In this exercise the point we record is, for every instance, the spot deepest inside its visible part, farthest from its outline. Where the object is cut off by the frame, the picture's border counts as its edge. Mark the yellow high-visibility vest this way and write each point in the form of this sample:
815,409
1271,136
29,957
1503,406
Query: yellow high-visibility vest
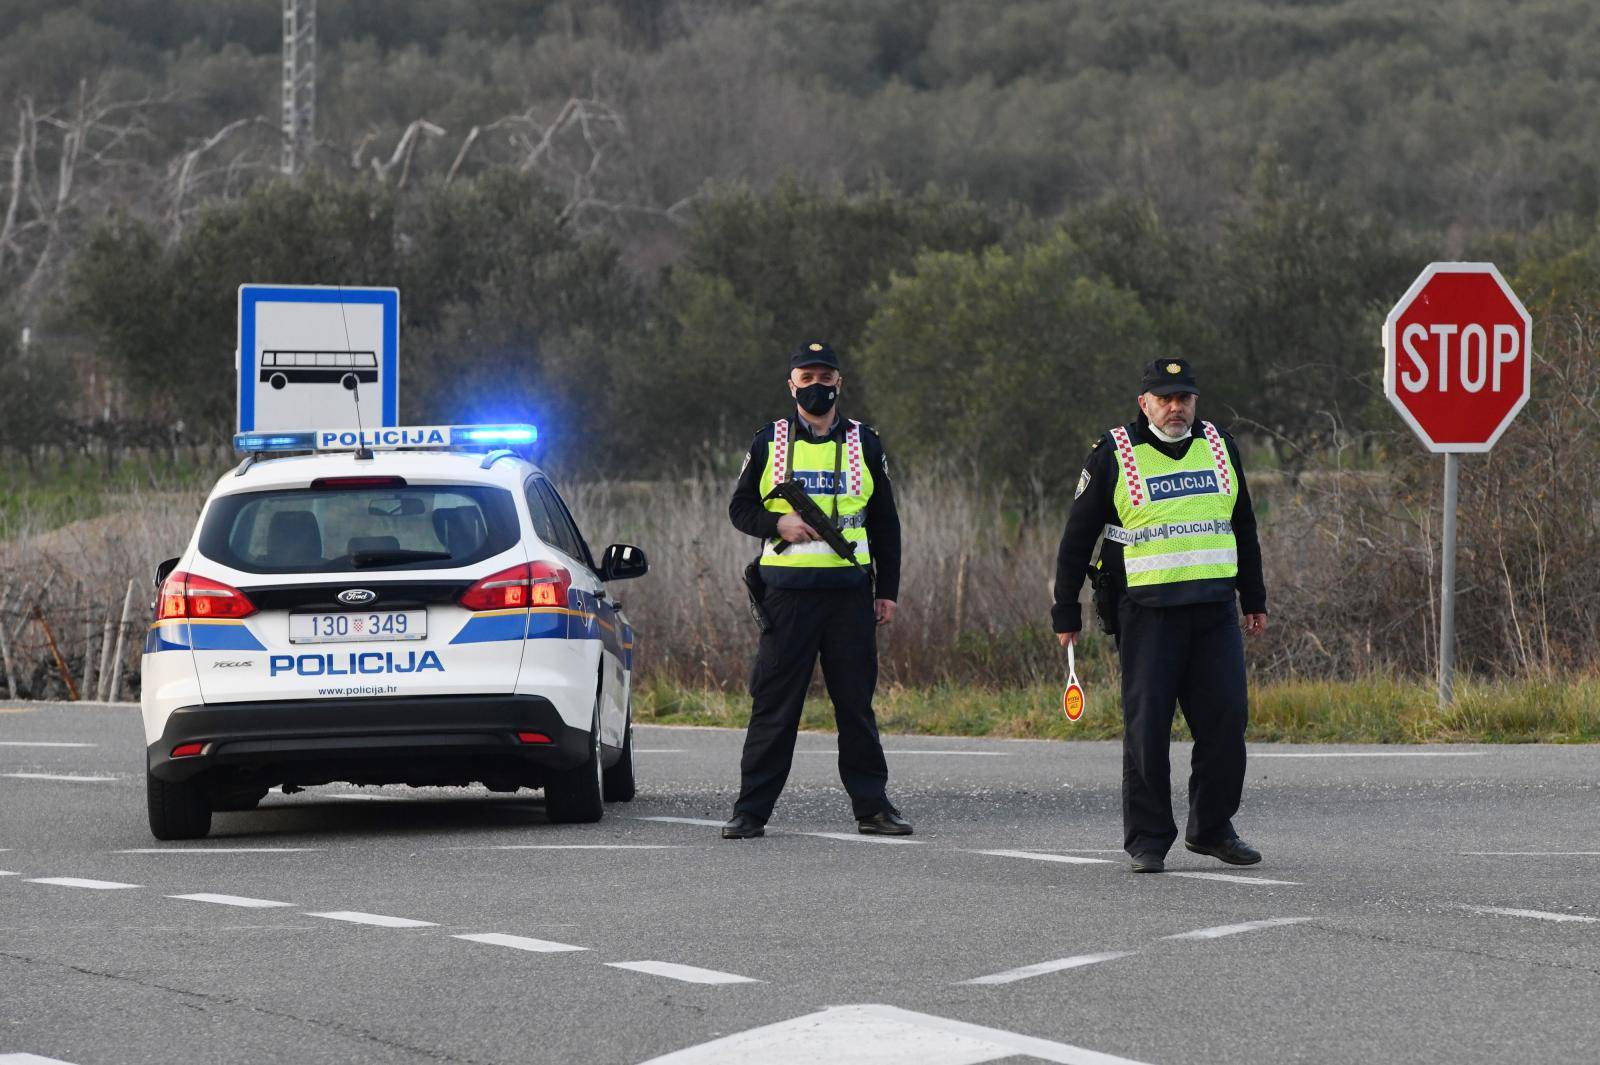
1176,515
794,455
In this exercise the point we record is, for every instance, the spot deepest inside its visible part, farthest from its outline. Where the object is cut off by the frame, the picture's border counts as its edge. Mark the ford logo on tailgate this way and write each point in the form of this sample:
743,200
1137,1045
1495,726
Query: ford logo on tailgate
356,596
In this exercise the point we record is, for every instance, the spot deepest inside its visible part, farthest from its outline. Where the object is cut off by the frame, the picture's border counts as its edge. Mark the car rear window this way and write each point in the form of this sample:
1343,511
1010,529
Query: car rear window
364,530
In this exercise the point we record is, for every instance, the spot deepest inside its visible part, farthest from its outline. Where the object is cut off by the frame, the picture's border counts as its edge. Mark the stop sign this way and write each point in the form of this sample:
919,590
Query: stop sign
1458,358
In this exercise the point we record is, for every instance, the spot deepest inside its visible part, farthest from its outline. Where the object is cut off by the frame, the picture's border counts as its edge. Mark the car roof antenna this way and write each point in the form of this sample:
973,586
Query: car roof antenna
353,385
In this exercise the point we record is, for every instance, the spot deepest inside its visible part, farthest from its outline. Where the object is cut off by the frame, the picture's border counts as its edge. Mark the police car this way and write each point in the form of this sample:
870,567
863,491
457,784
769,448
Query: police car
399,606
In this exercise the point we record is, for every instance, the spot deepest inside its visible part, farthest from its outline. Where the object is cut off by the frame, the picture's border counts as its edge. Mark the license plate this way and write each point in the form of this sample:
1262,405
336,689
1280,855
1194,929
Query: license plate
353,626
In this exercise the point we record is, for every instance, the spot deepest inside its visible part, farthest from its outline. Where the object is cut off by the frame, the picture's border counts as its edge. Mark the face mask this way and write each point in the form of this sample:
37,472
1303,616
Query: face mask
817,399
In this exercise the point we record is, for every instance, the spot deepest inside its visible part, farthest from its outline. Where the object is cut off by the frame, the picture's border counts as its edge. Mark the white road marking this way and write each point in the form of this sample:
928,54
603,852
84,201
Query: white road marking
879,1035
859,837
1368,754
574,847
74,881
681,820
217,850
382,921
1530,854
1234,929
30,1059
689,974
232,900
1541,915
42,743
1230,878
975,754
59,776
500,939
1067,859
6,872
1011,976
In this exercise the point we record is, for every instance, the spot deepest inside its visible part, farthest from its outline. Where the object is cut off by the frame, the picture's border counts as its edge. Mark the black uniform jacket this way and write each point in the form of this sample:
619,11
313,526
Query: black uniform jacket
1095,507
749,516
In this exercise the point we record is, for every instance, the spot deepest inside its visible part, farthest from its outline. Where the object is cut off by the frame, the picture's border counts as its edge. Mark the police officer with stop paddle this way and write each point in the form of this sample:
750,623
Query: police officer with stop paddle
816,600
1164,499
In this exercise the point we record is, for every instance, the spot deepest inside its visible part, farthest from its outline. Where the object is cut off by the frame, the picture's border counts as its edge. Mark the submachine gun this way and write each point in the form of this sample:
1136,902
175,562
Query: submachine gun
794,493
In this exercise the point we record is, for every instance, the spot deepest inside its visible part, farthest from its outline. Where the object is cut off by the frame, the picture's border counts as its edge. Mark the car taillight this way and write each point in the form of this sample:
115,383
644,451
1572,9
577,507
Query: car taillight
188,595
530,584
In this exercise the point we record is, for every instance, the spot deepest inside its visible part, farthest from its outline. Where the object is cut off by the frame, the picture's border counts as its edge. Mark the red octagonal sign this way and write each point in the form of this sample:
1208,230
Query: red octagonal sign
1458,358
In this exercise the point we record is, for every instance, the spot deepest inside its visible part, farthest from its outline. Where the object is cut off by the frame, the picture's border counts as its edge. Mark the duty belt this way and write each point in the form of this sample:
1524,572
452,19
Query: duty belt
1133,537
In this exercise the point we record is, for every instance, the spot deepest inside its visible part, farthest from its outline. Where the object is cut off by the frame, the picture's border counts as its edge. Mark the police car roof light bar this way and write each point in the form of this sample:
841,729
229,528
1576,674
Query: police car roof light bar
393,438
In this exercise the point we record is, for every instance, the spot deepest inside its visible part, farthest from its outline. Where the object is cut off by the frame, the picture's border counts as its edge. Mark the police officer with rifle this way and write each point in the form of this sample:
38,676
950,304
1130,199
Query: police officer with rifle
1163,515
815,491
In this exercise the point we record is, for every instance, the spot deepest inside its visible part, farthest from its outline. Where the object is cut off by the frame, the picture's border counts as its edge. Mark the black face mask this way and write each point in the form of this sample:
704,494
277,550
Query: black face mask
817,399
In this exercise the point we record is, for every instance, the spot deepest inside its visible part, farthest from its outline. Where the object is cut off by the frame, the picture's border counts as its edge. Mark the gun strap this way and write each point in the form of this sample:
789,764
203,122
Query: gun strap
838,459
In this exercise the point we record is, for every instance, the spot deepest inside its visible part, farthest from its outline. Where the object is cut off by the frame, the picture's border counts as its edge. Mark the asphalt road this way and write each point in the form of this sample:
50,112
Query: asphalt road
1431,904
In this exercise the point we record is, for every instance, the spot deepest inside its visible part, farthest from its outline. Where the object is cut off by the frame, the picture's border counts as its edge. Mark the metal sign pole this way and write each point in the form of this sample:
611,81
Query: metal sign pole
1447,592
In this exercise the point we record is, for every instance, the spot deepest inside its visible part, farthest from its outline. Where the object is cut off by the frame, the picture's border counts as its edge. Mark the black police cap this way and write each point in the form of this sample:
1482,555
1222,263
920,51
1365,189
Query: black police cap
1163,377
813,353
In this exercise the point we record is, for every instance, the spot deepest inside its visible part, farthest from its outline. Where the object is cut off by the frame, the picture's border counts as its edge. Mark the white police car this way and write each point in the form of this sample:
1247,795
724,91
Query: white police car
400,606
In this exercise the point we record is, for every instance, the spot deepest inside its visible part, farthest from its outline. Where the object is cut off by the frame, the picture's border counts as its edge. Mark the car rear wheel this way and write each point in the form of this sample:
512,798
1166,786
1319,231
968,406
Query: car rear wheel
178,809
619,778
575,797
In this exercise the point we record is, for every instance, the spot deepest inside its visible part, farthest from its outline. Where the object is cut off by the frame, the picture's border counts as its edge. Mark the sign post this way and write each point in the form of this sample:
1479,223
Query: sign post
1458,366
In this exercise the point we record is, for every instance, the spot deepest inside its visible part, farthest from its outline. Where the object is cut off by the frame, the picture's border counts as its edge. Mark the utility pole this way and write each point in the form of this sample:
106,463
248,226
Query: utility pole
299,82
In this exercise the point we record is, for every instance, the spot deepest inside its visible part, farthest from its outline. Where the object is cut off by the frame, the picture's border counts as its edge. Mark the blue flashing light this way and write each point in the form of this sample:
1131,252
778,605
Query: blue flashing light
275,441
496,434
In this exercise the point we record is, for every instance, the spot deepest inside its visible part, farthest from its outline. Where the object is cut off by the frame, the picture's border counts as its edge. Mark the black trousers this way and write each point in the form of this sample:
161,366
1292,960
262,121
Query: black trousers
838,625
1191,656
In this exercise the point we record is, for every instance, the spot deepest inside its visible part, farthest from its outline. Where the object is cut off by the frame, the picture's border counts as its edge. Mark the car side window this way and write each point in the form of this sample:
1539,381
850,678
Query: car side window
566,528
542,523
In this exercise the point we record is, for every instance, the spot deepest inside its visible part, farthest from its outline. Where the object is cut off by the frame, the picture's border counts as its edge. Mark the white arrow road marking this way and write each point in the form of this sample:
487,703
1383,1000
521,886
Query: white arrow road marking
1011,976
879,1035
1230,878
689,974
682,821
59,776
1068,859
1542,915
500,939
1234,929
73,881
231,900
382,921
41,743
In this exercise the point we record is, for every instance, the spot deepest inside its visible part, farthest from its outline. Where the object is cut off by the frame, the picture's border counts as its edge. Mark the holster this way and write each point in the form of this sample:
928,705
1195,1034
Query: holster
756,588
1108,592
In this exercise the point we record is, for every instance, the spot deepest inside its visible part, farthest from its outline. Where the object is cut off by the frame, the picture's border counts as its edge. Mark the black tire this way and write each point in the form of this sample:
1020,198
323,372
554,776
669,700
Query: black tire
178,809
575,797
618,779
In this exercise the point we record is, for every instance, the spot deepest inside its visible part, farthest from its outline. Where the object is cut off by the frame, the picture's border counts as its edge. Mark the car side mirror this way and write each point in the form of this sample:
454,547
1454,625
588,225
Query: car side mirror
623,562
163,569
